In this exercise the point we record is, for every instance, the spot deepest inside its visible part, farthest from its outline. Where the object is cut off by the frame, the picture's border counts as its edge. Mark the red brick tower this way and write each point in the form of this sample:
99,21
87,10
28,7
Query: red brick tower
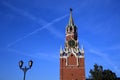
72,57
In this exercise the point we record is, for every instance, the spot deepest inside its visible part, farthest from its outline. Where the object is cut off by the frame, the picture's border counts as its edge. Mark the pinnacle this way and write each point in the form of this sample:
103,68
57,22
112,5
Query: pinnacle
71,22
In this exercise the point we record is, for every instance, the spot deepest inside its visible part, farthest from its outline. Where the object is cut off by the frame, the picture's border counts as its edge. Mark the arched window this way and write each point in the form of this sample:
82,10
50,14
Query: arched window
67,29
75,29
70,29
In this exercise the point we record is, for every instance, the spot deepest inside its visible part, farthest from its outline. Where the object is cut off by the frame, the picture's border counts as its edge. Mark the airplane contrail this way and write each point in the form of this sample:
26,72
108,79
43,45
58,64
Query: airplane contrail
39,29
45,24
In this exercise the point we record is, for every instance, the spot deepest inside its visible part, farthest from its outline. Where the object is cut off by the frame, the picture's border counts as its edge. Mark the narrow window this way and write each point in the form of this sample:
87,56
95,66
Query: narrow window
70,29
71,55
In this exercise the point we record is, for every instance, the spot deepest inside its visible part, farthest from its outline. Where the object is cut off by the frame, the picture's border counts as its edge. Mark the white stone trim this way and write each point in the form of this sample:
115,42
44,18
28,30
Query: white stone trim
69,55
66,61
77,61
69,34
81,57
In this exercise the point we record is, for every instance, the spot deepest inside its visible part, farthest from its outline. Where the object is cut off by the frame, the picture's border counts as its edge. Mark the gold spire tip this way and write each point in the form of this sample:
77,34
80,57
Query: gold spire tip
71,9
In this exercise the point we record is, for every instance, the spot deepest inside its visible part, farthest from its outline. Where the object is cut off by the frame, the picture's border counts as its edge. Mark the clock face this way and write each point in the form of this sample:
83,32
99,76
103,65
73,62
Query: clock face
71,43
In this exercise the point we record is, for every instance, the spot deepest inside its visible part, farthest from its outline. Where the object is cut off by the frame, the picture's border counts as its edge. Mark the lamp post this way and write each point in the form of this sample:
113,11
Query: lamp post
25,69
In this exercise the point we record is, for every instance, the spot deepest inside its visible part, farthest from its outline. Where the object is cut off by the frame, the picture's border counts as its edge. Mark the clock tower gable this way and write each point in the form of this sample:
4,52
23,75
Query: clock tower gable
72,60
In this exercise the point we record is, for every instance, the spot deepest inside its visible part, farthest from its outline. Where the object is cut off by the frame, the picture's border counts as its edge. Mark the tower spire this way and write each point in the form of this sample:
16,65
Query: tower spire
71,22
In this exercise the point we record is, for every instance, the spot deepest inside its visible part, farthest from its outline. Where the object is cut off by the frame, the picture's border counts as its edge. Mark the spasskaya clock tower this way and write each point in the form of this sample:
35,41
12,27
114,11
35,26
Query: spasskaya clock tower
71,56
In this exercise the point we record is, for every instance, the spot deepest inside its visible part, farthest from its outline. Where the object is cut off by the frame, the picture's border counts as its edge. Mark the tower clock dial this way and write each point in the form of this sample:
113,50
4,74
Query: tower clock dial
71,43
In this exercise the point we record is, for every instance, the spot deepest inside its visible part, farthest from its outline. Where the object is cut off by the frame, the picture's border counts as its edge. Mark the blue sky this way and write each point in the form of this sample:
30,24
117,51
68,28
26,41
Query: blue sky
35,29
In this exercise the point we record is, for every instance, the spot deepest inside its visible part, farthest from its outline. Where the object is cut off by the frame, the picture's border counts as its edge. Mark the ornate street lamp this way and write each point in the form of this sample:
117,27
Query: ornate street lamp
25,69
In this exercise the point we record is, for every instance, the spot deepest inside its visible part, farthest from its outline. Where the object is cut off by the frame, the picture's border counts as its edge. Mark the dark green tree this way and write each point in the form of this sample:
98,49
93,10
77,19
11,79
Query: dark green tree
109,75
99,74
96,73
